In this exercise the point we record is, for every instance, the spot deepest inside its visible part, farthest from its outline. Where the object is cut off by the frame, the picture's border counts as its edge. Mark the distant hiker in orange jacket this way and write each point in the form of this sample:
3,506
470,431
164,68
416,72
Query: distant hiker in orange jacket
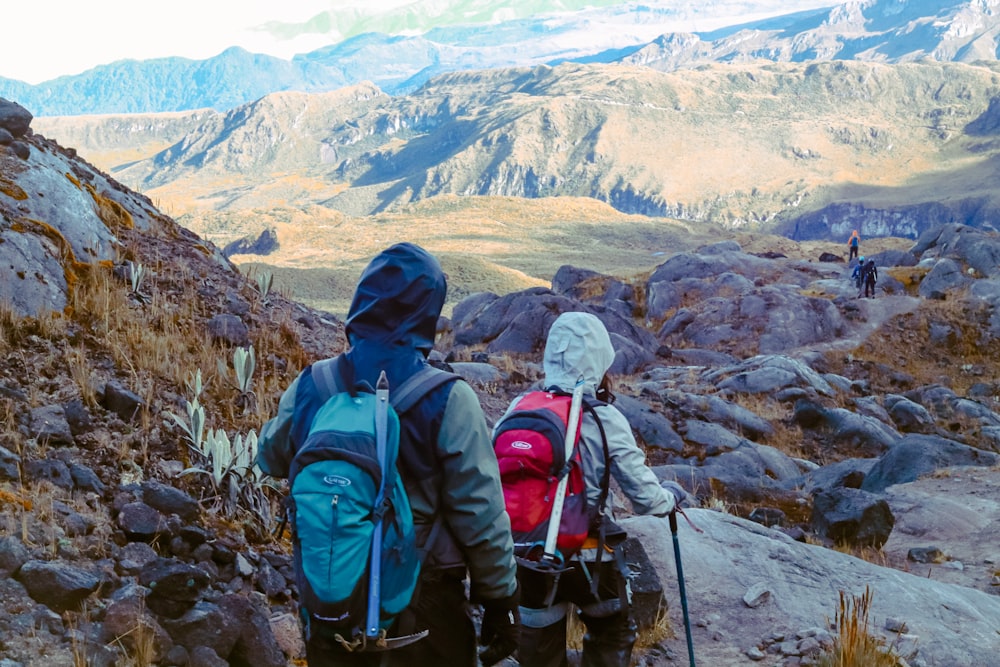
853,244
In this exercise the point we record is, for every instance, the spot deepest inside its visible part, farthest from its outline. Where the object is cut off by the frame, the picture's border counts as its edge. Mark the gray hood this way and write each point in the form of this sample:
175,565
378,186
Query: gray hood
578,345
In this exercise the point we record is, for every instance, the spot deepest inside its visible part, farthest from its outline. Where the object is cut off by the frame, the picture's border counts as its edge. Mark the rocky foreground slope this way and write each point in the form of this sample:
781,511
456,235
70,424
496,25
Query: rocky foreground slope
813,419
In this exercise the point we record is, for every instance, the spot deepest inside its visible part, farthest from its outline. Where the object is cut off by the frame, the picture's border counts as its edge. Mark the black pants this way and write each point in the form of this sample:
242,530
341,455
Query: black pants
440,607
611,633
853,253
869,287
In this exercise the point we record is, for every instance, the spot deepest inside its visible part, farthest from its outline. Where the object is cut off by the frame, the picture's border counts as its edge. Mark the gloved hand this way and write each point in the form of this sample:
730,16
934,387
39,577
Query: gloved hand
501,630
679,493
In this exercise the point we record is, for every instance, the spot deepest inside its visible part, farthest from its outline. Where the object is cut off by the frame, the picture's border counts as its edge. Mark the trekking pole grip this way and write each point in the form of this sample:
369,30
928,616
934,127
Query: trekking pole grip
672,517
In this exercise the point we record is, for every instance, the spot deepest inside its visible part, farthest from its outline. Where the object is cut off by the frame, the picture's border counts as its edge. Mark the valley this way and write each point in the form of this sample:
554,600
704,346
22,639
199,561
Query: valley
519,171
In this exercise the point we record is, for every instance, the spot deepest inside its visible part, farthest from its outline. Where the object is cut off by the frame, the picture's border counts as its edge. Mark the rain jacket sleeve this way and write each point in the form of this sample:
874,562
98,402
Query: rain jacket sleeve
628,464
274,455
472,500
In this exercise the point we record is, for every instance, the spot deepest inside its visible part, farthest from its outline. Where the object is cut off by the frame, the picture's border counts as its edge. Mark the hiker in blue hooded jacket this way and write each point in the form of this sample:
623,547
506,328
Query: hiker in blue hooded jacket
446,463
578,345
856,273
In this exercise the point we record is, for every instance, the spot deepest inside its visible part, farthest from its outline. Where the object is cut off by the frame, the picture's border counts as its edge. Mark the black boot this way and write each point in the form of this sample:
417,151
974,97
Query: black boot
542,646
609,641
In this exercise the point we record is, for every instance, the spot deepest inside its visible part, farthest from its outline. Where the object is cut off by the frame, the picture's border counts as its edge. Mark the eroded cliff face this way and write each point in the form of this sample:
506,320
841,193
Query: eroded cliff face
836,221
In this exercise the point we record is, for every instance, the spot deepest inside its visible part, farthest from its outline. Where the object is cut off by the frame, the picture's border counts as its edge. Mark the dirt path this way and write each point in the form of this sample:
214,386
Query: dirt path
862,323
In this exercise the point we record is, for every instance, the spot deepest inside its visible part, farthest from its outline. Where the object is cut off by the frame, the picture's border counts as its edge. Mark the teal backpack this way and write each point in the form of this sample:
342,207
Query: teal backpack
354,551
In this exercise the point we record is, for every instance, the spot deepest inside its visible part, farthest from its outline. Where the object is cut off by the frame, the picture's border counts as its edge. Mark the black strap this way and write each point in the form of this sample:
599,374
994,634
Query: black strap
419,385
622,578
602,499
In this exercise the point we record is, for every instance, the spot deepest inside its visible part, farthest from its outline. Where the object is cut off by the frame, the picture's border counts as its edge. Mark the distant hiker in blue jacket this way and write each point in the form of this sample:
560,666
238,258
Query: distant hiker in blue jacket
856,274
853,245
446,462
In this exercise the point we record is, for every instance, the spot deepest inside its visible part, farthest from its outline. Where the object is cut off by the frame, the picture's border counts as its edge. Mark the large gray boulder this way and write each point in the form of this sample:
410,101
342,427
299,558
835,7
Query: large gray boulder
849,473
75,222
917,455
519,323
57,585
849,433
948,625
595,288
14,118
718,410
651,427
955,512
976,248
945,275
770,319
908,416
767,374
852,517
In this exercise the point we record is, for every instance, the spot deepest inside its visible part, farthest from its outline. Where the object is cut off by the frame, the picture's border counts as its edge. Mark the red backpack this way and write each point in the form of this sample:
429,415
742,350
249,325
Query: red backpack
530,442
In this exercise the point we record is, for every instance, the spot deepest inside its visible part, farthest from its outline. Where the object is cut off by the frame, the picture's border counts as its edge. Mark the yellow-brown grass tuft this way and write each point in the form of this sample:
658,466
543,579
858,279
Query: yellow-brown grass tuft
12,190
854,645
111,213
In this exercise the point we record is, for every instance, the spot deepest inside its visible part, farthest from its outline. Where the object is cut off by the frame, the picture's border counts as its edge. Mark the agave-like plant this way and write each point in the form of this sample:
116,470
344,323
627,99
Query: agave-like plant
193,383
237,483
264,281
136,273
194,426
244,362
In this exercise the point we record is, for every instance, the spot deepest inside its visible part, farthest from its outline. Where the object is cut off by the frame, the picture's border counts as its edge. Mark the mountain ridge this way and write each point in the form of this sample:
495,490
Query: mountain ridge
758,146
650,34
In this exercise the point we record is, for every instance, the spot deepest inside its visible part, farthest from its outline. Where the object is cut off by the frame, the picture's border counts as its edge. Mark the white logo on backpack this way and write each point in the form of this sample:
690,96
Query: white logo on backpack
336,480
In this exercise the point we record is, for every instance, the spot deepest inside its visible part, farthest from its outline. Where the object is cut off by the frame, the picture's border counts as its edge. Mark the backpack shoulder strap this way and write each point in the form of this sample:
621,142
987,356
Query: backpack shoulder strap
324,374
589,405
419,385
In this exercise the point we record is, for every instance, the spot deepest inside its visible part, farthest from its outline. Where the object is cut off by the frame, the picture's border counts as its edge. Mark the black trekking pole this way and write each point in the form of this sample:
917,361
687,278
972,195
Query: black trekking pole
680,585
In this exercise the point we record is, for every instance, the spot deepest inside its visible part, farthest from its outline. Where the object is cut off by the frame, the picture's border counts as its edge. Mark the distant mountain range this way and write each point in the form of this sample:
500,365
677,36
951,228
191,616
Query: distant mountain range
650,34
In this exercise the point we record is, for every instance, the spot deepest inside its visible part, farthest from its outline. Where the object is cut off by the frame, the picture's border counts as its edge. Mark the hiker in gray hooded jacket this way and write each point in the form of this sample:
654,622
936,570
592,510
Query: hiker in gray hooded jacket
446,462
578,346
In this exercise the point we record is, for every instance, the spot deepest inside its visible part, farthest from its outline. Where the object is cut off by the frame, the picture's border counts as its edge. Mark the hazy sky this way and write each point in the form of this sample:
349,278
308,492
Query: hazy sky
44,39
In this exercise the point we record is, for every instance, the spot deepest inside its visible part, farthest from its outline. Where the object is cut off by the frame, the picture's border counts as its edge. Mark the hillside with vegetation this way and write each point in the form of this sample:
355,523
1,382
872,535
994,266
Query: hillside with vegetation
829,443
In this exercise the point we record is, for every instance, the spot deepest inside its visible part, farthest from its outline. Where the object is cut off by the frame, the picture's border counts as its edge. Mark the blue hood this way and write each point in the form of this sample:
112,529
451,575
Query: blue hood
396,308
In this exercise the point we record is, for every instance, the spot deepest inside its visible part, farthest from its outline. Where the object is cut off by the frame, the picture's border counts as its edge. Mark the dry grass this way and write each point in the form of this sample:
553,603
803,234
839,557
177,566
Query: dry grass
854,645
497,244
82,373
941,358
111,213
865,553
909,276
